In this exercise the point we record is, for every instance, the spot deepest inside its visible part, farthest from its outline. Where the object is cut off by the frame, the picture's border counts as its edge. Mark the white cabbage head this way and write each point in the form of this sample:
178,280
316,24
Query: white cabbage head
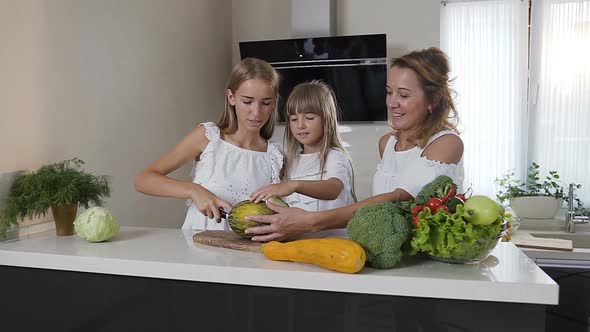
96,224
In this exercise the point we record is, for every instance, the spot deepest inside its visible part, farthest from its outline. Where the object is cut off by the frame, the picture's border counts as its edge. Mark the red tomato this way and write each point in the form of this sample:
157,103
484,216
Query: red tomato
434,203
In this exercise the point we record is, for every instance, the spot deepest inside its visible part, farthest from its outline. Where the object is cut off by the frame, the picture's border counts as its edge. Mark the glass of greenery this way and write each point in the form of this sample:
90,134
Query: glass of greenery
61,186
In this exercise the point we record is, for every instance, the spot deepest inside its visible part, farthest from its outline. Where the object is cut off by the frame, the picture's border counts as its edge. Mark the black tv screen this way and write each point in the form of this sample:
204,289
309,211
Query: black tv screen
354,66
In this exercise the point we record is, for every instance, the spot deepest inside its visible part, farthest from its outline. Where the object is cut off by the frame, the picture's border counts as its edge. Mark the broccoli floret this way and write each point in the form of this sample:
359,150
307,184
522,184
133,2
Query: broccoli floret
381,229
437,187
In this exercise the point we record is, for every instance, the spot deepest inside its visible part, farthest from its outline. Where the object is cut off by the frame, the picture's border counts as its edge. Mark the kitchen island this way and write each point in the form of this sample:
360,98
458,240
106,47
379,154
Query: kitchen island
158,279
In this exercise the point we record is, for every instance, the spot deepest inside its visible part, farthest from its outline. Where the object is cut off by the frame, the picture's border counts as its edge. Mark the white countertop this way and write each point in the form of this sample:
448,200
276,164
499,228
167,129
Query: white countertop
577,258
508,275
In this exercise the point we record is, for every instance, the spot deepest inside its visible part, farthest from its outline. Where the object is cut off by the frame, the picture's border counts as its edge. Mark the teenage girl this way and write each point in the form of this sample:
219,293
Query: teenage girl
319,174
231,158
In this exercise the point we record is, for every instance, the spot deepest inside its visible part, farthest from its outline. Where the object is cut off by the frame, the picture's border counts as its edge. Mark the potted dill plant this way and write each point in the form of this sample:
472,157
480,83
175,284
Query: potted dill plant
534,199
61,187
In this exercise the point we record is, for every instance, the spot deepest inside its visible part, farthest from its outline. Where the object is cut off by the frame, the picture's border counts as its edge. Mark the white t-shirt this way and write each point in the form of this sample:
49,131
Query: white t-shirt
231,173
307,167
410,171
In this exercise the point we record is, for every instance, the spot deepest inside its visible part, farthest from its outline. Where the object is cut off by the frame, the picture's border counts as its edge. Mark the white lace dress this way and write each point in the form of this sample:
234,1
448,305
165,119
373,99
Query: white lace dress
410,171
231,173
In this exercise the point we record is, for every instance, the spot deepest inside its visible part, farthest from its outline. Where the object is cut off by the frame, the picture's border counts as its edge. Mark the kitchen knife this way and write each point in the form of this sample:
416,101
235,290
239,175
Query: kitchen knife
223,213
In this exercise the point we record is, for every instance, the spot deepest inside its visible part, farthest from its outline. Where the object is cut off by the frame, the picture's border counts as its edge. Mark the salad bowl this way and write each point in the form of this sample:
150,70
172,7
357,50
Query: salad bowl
451,239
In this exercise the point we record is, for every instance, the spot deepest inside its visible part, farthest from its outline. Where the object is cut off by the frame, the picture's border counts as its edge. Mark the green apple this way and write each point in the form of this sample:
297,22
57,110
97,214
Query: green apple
481,210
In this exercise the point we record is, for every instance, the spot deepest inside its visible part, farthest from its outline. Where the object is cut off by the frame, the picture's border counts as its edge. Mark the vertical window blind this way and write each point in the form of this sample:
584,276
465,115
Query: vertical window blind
560,90
487,45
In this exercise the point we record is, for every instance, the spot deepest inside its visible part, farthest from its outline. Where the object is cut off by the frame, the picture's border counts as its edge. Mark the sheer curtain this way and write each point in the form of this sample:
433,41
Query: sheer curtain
487,45
560,90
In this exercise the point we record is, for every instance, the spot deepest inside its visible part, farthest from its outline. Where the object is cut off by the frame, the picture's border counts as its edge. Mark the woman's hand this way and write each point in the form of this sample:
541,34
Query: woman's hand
209,204
277,190
286,224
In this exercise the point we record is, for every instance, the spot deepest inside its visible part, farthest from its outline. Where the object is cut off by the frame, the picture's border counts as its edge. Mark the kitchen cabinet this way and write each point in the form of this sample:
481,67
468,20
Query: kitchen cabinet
570,269
573,312
152,279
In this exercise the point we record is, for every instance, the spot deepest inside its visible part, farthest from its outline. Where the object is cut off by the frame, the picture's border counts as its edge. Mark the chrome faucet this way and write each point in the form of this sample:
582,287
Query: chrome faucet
570,217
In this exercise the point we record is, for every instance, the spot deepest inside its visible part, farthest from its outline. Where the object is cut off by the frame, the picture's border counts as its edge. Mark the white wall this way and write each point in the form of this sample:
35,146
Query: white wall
115,83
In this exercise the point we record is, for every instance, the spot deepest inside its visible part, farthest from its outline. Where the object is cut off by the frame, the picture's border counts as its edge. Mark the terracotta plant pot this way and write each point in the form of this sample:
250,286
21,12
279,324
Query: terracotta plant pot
64,217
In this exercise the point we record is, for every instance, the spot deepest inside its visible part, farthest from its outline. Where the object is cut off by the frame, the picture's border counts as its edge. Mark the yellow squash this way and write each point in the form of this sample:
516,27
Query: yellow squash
336,254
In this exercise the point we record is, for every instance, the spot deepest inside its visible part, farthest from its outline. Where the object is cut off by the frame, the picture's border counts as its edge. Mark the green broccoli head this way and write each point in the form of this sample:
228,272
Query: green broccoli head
437,187
381,229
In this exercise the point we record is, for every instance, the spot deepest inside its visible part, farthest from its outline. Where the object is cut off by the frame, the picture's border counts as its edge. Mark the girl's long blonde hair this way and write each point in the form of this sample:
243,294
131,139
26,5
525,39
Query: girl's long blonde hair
247,69
314,97
432,68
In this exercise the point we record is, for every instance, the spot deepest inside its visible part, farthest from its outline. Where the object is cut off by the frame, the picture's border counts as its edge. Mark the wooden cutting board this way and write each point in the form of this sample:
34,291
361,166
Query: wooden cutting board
226,239
542,243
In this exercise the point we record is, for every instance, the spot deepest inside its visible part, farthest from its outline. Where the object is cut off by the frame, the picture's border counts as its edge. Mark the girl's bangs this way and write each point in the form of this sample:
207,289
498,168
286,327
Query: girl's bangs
303,103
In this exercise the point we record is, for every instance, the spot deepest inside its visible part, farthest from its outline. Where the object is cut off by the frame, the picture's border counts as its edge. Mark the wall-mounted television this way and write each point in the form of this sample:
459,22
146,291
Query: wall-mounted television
354,66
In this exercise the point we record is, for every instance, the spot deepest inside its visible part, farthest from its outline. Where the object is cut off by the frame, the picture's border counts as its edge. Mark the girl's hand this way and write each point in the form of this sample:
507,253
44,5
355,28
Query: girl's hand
277,190
209,204
286,224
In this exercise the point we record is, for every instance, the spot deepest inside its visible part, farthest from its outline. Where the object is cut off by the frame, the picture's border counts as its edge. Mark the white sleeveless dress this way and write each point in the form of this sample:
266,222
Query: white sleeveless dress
410,171
307,167
232,173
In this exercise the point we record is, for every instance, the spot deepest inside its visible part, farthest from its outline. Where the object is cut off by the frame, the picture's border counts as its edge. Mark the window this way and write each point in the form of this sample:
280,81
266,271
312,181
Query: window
517,103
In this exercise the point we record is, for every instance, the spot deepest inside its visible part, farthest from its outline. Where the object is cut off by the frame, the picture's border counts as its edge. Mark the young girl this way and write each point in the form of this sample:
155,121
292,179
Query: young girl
318,171
232,158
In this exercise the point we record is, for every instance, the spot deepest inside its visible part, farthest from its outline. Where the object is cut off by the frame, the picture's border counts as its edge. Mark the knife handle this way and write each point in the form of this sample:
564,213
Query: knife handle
223,213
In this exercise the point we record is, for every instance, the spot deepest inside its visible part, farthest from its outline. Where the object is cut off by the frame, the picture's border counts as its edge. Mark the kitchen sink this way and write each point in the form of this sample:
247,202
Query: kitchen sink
579,239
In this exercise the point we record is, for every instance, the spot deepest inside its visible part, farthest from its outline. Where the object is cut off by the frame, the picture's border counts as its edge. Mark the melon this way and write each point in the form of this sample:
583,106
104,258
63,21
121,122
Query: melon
237,217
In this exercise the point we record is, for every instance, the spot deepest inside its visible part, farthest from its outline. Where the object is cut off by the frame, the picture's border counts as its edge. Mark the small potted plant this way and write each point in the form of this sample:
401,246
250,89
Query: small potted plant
61,187
535,198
